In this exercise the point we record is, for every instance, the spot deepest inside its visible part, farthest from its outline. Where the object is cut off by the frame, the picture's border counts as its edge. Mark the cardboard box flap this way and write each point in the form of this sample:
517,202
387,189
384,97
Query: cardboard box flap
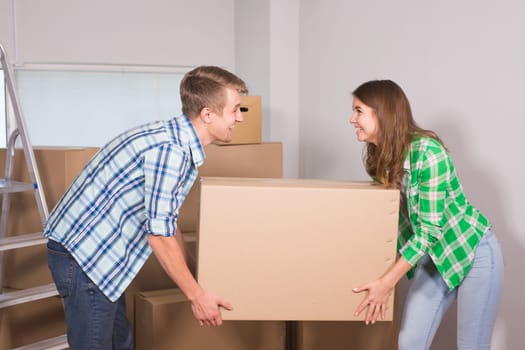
291,183
164,296
163,322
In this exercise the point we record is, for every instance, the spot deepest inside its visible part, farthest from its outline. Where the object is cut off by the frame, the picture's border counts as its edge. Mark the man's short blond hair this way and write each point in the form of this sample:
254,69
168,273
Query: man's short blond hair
203,87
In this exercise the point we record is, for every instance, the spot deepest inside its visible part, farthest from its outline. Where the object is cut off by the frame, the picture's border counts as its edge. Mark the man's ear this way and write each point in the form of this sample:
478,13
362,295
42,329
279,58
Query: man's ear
205,115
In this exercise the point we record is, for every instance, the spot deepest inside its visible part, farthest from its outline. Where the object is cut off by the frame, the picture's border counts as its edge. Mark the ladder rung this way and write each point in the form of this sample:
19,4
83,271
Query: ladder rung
27,295
11,186
20,241
56,343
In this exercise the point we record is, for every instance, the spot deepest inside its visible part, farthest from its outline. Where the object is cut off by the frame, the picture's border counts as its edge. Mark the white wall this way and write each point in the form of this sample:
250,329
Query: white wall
88,71
284,81
252,52
156,32
6,25
267,58
461,64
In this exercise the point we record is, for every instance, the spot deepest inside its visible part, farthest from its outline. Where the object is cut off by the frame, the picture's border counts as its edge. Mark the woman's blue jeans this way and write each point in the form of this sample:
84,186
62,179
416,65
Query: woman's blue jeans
93,321
478,297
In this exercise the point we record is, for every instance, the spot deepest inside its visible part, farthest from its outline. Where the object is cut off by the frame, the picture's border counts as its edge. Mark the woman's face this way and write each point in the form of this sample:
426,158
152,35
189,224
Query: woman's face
364,119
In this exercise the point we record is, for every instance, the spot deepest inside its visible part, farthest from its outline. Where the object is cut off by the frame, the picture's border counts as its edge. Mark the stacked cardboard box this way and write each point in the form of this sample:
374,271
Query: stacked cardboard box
27,267
165,321
263,160
31,322
314,335
58,167
250,130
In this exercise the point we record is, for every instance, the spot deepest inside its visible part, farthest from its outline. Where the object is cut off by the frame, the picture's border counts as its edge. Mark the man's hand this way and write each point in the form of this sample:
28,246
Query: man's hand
205,308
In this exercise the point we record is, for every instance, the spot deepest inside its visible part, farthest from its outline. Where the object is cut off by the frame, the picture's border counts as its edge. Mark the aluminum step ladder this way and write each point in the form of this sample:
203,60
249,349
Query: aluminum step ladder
17,131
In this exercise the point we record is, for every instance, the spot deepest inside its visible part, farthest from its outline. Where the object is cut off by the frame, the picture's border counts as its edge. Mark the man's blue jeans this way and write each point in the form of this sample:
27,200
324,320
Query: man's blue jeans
478,297
93,321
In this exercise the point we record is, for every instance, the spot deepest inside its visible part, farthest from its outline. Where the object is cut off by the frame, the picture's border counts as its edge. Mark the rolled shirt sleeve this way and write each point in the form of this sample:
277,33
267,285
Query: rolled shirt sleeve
429,198
164,173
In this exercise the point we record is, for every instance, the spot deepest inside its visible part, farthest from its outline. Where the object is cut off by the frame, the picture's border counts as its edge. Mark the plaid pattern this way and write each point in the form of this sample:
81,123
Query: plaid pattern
132,187
437,219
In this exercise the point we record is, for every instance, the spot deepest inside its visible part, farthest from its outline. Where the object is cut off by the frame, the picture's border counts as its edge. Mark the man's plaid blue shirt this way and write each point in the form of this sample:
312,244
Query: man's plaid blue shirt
134,186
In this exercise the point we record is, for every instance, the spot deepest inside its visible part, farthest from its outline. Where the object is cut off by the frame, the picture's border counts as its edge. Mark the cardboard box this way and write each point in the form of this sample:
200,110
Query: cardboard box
58,167
164,320
314,335
282,249
258,160
262,160
250,129
339,335
31,322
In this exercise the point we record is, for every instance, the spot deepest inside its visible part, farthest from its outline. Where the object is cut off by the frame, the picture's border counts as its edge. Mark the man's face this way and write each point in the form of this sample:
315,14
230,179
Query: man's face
221,126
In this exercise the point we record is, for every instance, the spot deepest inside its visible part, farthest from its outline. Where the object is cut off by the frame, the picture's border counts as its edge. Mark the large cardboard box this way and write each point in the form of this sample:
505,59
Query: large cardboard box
164,321
58,167
258,160
250,129
282,249
31,322
261,160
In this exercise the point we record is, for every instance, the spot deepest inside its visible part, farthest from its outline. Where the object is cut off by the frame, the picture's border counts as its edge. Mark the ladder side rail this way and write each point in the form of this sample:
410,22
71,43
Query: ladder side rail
10,152
28,149
14,131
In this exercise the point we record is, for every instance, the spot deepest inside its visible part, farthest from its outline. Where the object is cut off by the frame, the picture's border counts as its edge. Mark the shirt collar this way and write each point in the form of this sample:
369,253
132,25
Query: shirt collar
406,163
188,136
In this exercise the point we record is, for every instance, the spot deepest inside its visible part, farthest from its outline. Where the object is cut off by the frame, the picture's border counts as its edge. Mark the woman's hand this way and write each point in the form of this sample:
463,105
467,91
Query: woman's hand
378,295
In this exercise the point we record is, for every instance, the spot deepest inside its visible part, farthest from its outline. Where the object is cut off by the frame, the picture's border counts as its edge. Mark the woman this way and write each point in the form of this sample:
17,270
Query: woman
444,242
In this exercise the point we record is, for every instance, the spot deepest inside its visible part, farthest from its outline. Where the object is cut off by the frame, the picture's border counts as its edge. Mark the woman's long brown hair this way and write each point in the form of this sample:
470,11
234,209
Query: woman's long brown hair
397,128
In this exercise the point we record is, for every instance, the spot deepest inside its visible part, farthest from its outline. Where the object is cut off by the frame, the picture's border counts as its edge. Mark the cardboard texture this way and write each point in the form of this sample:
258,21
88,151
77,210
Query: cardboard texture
296,248
31,322
164,321
58,167
315,335
263,160
259,160
250,129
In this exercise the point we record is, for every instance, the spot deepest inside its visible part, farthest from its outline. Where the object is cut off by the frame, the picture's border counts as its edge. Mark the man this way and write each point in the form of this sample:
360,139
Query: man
125,204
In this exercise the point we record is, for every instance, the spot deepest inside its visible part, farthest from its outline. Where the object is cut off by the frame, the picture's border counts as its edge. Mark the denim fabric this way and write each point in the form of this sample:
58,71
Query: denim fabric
93,321
478,296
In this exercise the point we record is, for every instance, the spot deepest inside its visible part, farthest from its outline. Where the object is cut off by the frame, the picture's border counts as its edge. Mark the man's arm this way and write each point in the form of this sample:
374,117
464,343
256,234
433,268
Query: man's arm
188,256
170,255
